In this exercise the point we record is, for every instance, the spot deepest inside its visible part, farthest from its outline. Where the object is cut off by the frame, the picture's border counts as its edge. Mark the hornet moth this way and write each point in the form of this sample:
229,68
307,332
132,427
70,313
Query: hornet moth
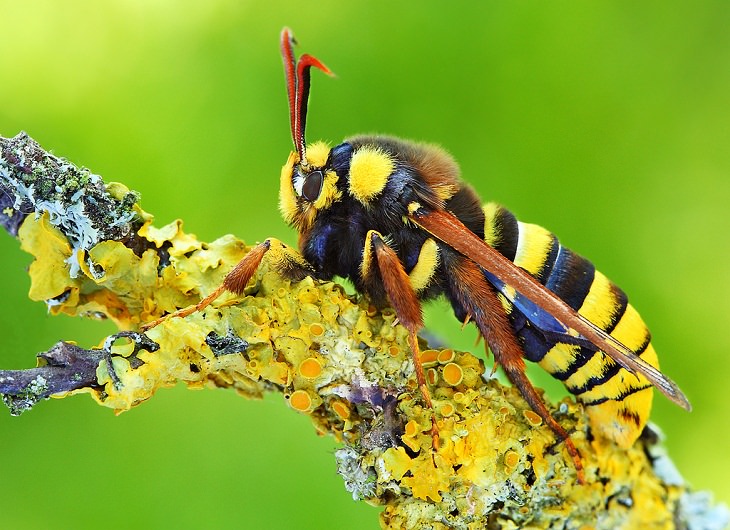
394,217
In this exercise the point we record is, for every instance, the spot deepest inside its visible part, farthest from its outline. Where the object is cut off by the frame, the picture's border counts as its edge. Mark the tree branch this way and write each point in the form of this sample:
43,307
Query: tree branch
334,357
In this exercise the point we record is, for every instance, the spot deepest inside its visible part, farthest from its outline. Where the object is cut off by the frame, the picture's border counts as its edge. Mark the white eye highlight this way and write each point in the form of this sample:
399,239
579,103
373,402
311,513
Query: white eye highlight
298,182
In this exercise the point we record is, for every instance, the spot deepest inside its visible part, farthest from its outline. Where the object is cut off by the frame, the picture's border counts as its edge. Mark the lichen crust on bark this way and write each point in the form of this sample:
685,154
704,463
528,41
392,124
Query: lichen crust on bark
347,366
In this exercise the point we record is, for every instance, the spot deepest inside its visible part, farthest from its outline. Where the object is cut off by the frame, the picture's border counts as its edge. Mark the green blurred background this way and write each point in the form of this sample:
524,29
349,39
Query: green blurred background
606,122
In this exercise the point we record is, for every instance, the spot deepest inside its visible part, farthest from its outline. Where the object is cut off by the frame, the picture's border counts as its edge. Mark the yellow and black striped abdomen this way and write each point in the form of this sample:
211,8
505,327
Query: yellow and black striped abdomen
618,402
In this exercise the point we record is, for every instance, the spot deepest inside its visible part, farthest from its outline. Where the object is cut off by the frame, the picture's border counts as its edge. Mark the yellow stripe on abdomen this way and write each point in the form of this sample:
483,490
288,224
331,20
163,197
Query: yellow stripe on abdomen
622,420
618,403
599,305
533,247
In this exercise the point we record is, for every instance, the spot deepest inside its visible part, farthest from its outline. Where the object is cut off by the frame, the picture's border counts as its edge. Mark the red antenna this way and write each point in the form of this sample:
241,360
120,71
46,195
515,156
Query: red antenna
297,88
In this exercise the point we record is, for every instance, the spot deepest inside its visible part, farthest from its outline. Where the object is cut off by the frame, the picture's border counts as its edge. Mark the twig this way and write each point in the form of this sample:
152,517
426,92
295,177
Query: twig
334,357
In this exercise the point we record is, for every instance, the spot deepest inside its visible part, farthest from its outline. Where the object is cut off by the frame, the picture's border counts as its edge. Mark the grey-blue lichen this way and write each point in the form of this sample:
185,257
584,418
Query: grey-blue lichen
358,481
32,394
76,200
698,511
336,359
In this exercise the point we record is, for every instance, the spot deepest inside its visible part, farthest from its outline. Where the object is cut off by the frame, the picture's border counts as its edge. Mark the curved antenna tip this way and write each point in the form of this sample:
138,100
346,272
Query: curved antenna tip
297,82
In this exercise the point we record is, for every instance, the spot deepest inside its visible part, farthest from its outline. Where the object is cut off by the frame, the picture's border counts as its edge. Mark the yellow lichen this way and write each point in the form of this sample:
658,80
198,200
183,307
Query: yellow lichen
300,400
411,435
412,428
511,459
532,417
446,356
182,243
427,480
342,409
396,462
453,374
313,342
310,368
48,272
429,357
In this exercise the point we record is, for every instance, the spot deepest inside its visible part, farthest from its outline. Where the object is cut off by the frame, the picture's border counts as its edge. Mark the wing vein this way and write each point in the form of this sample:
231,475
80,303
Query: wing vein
446,227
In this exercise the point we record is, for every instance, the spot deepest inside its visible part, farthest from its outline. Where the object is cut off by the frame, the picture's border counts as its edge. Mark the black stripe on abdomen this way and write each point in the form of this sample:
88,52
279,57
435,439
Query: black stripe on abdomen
571,278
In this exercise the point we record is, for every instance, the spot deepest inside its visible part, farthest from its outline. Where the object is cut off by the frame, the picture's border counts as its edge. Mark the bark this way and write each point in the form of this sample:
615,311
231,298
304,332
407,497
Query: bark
333,356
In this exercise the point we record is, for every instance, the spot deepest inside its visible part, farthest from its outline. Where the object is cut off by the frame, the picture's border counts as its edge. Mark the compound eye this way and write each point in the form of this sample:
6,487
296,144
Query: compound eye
312,185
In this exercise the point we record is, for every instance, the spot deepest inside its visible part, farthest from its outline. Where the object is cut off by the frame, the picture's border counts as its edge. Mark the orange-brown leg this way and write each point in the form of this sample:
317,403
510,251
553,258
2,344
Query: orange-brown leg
471,290
449,229
235,282
407,308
